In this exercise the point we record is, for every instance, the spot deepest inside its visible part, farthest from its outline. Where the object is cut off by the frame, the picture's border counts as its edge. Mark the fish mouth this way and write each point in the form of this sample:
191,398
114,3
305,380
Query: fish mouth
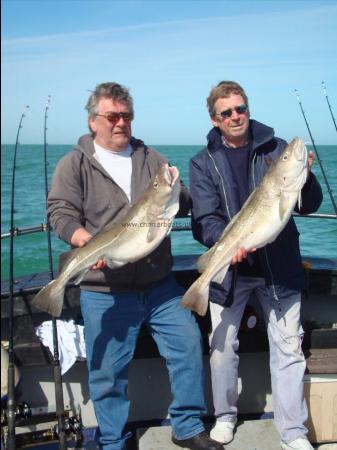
300,152
171,174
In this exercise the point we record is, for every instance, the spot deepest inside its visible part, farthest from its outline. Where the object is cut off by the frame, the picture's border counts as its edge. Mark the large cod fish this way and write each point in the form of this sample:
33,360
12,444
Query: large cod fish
141,230
262,217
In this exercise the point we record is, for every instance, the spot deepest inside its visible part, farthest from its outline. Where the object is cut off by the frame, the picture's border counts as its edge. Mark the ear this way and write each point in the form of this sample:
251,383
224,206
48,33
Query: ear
214,121
92,124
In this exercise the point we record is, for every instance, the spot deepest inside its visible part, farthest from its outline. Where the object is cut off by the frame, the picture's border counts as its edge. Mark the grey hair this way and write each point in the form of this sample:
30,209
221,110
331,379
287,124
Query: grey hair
114,91
223,90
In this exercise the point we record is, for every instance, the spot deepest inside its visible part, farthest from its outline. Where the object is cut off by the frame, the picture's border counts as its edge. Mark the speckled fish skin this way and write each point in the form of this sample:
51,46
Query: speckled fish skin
261,219
140,232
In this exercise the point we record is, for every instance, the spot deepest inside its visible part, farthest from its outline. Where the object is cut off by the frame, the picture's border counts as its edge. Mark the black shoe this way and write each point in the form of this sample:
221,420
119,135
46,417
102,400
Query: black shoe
200,441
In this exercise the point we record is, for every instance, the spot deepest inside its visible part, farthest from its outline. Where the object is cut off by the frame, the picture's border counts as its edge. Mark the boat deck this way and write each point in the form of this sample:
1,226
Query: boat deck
258,434
250,435
149,388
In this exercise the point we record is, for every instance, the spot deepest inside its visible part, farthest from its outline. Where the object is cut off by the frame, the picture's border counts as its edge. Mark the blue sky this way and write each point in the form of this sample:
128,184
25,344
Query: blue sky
169,53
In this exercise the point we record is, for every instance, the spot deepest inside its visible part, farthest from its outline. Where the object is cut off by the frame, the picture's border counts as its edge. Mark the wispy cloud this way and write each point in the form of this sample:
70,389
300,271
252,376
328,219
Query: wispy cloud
296,17
175,61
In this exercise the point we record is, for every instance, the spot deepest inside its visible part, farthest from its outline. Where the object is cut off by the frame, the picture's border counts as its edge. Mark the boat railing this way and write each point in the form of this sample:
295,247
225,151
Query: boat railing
177,226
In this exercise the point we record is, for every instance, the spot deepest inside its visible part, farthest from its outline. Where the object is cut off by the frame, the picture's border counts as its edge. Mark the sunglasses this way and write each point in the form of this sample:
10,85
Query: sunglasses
241,109
113,117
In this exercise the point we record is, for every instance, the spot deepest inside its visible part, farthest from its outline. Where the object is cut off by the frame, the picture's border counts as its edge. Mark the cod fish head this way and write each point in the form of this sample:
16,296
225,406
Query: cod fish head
165,186
291,169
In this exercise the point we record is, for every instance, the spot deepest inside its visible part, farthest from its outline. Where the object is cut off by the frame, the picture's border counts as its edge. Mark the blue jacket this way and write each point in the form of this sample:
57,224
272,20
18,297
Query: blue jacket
216,200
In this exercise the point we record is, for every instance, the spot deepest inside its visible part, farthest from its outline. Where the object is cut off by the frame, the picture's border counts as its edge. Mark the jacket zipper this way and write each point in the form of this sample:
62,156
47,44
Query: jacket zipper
222,184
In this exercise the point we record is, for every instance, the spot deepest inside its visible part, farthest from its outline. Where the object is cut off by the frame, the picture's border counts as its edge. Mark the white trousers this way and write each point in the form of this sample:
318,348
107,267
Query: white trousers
287,362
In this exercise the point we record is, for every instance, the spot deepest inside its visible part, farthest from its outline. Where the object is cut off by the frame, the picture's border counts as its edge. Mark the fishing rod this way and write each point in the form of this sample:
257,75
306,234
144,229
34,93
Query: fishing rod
56,357
327,99
11,440
318,158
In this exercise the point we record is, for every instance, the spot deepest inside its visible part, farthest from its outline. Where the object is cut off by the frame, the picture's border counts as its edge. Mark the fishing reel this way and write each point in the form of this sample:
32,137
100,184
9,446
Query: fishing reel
72,425
22,412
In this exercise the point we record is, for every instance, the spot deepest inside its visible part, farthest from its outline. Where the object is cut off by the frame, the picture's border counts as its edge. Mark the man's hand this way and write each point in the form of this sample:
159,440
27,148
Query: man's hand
241,254
101,264
79,239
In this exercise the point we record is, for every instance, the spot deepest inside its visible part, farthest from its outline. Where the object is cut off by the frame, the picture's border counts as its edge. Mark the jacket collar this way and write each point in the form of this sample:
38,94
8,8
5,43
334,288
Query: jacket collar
86,145
259,135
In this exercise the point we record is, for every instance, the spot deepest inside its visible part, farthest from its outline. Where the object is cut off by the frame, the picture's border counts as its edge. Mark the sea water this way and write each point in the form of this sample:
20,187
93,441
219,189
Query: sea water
318,237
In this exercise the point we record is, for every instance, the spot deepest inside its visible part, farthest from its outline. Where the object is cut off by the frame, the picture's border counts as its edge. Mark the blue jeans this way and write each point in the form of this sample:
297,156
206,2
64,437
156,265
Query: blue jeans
287,362
112,323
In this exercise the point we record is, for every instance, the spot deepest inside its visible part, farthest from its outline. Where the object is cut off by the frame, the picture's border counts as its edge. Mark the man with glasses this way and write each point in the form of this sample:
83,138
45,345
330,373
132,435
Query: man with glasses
222,176
93,187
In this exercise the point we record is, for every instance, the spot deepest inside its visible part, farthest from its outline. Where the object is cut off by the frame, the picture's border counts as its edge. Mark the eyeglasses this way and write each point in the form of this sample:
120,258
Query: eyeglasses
241,109
113,117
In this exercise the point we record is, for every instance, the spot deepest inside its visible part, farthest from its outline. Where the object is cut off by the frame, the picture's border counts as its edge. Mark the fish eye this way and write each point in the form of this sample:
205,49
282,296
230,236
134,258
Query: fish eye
285,157
155,184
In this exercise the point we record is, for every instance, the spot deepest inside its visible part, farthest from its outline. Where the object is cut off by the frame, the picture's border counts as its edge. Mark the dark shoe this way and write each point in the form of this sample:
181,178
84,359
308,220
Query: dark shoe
200,441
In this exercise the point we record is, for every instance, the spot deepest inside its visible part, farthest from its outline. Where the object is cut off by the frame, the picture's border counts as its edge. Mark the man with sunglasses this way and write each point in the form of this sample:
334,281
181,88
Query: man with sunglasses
222,176
93,187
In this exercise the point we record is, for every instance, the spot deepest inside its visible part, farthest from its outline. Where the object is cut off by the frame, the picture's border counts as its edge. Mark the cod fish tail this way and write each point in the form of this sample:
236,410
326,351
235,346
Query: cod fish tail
196,298
50,298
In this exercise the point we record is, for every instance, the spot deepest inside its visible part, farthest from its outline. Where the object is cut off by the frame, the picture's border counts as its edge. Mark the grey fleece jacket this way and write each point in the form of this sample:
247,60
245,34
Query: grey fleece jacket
84,195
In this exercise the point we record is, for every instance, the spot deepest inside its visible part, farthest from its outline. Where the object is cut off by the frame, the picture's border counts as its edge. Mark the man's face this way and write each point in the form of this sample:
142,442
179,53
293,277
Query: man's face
235,127
113,135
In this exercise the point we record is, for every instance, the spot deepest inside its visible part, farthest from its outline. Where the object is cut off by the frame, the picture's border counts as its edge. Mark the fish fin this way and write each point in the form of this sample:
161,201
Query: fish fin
220,276
80,276
284,204
113,263
159,229
152,233
204,259
109,262
50,299
196,298
299,200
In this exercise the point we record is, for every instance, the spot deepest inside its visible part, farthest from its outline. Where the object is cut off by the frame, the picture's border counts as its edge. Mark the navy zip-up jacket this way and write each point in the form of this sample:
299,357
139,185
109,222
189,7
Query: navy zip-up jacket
216,200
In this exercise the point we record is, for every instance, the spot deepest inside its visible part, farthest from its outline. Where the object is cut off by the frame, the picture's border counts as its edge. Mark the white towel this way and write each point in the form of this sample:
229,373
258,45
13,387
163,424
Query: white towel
70,341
